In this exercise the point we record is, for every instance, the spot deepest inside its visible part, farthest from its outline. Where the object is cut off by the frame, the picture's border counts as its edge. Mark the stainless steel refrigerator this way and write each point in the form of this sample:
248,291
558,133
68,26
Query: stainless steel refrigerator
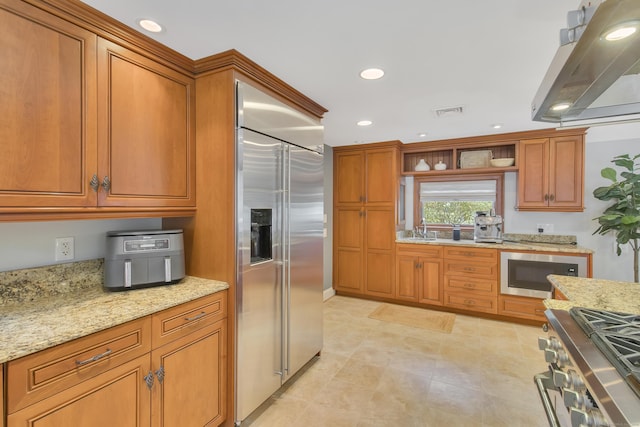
279,239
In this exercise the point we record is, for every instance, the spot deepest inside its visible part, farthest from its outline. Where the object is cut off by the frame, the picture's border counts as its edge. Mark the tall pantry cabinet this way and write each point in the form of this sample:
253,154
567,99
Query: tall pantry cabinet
365,198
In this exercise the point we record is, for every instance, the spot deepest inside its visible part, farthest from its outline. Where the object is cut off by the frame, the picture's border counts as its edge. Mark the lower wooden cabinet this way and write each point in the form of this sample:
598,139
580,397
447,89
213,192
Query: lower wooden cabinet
471,279
419,274
191,379
521,307
2,395
166,369
117,397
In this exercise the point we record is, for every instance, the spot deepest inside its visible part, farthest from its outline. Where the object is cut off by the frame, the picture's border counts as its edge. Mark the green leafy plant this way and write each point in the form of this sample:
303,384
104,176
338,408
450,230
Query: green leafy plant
623,216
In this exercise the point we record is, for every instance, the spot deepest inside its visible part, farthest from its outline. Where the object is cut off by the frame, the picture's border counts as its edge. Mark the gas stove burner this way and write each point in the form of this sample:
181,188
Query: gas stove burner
592,320
617,336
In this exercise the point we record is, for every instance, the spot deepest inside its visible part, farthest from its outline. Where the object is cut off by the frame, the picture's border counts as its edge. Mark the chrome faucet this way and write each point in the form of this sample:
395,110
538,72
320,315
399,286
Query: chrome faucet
421,230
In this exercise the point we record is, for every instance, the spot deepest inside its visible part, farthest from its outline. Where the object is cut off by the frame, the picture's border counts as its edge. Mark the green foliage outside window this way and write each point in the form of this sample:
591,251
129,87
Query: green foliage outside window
453,212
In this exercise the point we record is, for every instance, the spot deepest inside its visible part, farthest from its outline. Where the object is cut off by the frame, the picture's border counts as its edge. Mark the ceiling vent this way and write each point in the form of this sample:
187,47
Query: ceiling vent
449,111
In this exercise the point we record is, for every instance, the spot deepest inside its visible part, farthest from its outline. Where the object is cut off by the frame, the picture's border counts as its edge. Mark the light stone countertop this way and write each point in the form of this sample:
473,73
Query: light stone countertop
31,326
599,294
517,246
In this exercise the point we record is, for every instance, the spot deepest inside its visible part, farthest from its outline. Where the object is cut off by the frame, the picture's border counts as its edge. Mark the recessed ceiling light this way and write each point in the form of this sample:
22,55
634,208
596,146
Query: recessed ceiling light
560,106
422,134
150,25
364,123
621,31
371,73
497,125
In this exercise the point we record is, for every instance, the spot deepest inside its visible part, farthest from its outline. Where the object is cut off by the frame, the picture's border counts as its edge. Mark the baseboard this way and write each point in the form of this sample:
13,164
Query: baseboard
328,293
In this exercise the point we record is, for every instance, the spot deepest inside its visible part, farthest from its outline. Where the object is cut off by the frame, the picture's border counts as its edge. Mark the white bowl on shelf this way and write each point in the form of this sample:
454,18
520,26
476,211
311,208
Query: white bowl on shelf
503,163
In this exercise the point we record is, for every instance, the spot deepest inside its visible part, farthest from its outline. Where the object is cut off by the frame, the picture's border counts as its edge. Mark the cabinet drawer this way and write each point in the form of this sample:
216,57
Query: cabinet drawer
471,302
48,372
471,284
465,268
427,251
181,320
522,307
472,254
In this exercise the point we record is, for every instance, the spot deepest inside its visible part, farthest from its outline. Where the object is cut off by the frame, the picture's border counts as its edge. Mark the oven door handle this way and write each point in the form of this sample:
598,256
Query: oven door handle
544,382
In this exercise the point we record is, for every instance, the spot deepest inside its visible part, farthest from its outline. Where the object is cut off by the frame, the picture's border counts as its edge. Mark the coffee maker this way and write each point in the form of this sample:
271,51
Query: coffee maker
488,227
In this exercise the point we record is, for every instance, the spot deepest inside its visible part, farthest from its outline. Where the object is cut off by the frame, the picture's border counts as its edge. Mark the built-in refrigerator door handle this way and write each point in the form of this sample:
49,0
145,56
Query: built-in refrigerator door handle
288,257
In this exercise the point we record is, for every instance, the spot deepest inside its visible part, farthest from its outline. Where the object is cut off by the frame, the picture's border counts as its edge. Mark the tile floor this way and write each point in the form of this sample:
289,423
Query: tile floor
373,373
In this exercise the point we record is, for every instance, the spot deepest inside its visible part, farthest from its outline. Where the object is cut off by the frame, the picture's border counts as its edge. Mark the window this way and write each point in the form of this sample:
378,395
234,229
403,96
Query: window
443,201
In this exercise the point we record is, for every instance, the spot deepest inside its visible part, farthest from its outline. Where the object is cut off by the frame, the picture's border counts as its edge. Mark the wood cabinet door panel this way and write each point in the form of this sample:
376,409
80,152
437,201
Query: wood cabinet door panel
463,268
430,291
458,283
522,307
381,176
146,131
380,230
182,320
349,178
471,254
192,392
118,397
48,372
348,228
47,109
406,278
566,161
533,175
2,395
348,273
471,302
379,278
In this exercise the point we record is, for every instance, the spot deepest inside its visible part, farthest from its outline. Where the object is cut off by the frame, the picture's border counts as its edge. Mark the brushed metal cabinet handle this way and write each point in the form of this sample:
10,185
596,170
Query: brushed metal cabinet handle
94,358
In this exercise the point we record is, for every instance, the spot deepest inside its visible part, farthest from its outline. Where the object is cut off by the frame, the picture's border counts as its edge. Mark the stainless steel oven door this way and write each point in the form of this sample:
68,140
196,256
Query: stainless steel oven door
525,274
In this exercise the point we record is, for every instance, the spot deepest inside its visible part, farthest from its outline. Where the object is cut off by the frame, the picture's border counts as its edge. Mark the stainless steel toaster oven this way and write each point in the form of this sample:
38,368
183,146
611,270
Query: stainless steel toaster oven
137,259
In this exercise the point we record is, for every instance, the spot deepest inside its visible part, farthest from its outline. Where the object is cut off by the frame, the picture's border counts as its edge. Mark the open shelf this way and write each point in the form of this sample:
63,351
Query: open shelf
451,157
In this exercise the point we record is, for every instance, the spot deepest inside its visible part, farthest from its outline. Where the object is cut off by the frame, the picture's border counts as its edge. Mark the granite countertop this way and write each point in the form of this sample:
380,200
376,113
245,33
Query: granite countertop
517,246
599,294
50,319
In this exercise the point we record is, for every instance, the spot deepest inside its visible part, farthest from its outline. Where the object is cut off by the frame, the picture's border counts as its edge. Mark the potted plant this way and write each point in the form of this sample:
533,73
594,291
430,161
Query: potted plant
622,217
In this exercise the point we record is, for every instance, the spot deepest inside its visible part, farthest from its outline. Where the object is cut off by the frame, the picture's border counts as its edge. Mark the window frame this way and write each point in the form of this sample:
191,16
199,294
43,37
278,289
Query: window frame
417,214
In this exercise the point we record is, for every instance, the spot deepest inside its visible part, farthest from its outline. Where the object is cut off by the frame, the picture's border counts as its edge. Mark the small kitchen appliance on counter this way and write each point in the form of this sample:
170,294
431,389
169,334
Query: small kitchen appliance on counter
488,227
139,259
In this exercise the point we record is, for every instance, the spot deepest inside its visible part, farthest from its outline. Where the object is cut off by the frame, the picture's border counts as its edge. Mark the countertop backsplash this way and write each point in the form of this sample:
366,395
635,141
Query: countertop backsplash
19,286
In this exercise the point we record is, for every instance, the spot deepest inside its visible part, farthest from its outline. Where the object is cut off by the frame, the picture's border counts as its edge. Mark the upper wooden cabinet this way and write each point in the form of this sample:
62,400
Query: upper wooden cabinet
88,126
551,174
146,131
47,109
366,176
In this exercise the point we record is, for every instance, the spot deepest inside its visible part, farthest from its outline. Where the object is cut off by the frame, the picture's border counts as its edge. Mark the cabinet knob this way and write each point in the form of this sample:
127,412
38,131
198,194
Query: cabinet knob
552,197
160,374
546,197
149,380
106,184
94,183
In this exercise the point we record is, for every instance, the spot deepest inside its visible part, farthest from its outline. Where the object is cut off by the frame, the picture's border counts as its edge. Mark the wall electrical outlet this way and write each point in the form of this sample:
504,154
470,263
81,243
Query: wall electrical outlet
544,228
64,248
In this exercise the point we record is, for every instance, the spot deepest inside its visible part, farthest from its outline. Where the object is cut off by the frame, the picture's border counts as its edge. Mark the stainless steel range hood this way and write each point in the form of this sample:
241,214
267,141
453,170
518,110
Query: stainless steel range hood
590,76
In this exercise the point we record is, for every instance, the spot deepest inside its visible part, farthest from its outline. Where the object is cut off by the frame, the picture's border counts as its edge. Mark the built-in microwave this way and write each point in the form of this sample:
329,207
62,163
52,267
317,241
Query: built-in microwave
525,274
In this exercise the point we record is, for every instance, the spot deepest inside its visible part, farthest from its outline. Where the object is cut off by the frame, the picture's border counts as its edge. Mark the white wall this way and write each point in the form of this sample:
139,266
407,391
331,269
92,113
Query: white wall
32,244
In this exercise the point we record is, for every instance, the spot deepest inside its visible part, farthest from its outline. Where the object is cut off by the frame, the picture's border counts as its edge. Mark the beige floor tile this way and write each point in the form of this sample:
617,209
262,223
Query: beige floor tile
379,374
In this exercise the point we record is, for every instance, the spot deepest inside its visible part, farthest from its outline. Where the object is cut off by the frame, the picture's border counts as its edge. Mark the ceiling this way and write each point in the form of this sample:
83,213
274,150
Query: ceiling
487,56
